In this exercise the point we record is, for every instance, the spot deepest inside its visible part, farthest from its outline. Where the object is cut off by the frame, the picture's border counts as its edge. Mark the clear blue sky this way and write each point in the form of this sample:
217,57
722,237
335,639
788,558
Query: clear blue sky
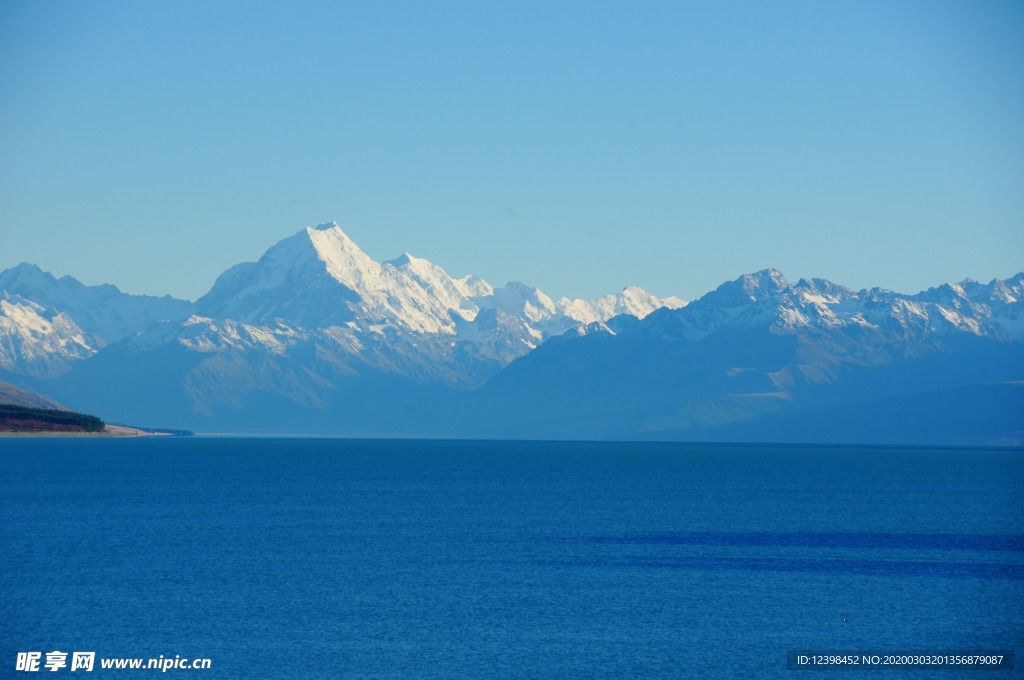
579,147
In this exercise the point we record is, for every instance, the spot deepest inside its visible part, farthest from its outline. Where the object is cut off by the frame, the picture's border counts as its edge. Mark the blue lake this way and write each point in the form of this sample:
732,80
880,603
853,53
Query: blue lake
413,559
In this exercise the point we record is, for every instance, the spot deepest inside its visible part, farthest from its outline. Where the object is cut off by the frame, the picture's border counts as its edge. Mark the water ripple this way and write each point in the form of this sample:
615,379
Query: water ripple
863,567
888,541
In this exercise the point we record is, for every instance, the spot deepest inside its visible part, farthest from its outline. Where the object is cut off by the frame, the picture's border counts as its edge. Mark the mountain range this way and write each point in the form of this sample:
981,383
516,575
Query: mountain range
317,337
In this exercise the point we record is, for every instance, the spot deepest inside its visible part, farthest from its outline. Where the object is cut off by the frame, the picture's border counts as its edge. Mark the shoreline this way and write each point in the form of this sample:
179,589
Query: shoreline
108,431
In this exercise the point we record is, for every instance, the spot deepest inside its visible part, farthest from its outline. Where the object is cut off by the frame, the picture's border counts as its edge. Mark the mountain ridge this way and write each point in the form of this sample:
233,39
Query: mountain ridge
316,335
758,346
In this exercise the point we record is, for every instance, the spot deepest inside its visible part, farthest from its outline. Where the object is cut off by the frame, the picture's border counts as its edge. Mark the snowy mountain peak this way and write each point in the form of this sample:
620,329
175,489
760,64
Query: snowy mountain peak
633,300
319,277
472,286
518,299
39,341
761,286
766,280
101,314
26,279
821,291
1008,291
437,285
316,280
763,299
345,261
409,260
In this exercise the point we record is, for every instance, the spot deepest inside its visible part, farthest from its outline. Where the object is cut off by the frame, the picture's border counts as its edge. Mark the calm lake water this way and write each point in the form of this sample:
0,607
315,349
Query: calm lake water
306,558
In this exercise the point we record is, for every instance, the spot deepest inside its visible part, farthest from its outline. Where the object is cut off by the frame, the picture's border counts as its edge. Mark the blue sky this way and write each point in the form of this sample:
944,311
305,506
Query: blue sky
579,147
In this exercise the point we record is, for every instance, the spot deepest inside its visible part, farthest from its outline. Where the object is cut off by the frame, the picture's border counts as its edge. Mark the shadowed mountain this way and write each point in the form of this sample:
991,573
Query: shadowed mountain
317,337
15,396
759,359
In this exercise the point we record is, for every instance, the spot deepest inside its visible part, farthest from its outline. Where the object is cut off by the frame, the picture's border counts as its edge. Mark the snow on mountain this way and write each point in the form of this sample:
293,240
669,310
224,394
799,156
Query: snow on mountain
37,341
632,300
876,325
758,350
315,279
767,299
499,335
317,331
453,294
992,308
102,311
551,318
761,286
225,375
48,324
320,277
206,336
473,286
519,299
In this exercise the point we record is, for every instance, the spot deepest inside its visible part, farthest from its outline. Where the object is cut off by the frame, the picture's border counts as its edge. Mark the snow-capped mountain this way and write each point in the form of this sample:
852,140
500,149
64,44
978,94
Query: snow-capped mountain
547,318
314,323
315,279
38,341
103,311
49,324
758,350
767,299
317,336
632,301
319,277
